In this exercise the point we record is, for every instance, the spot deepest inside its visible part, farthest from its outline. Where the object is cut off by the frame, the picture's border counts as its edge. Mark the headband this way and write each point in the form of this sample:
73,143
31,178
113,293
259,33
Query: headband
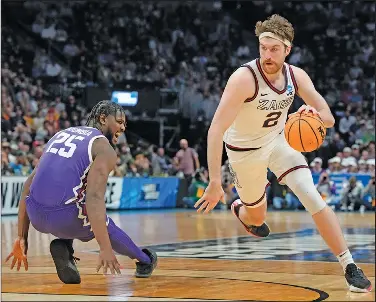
274,36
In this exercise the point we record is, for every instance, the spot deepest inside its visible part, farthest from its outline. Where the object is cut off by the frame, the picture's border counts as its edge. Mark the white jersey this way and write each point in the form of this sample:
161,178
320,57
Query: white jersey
262,116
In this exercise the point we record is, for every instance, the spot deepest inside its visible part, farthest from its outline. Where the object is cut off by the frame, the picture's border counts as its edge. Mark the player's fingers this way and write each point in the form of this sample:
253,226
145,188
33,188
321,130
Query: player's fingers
117,267
111,266
18,264
99,265
105,266
9,256
26,264
302,108
23,247
13,262
209,208
200,200
202,206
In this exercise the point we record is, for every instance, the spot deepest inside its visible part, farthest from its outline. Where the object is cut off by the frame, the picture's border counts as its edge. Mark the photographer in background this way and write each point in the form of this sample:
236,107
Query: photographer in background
228,186
326,188
197,187
352,195
368,196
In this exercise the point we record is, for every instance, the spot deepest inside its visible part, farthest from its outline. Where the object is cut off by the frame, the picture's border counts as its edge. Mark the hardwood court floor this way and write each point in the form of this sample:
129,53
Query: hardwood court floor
202,257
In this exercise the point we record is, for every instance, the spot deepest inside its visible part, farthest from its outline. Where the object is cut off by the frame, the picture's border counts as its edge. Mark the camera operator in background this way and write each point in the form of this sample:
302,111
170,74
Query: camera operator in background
352,195
228,186
197,187
326,188
369,196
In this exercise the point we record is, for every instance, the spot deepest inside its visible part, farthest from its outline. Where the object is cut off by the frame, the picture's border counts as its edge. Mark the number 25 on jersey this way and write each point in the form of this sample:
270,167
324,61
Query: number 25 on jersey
66,140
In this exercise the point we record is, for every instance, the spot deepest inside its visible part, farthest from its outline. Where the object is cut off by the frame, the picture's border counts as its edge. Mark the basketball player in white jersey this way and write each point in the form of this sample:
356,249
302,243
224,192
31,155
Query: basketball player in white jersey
251,118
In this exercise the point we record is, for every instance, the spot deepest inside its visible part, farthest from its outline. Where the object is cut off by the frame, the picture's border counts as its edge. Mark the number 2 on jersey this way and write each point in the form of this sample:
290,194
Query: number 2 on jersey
272,119
67,140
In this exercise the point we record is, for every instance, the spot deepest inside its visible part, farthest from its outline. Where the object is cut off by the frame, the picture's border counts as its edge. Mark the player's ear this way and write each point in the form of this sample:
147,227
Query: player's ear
288,50
103,119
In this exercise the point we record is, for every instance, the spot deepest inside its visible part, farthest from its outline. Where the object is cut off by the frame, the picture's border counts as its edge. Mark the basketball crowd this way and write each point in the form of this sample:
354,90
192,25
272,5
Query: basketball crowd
192,48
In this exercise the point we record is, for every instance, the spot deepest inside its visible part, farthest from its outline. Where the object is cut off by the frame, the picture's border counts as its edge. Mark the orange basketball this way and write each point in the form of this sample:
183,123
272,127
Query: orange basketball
305,132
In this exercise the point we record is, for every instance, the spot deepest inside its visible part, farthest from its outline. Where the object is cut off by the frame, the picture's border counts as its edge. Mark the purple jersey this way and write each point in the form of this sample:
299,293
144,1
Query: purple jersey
61,175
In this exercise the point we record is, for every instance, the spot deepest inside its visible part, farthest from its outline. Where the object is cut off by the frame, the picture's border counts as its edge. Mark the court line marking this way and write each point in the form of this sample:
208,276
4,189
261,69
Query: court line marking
322,294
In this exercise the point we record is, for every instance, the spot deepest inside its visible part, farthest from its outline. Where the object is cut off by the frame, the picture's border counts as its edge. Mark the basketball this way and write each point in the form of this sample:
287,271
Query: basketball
305,132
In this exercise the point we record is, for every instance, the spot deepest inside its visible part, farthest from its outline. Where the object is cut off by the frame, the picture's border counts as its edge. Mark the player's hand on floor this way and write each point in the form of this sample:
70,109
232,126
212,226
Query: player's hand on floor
212,195
107,260
19,253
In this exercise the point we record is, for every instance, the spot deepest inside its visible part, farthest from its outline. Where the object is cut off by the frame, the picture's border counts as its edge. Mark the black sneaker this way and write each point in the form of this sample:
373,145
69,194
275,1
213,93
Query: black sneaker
144,270
65,263
256,231
356,280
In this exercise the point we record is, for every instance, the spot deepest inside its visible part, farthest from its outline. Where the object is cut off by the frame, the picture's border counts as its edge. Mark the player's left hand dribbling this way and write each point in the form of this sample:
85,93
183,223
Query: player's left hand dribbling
213,194
305,109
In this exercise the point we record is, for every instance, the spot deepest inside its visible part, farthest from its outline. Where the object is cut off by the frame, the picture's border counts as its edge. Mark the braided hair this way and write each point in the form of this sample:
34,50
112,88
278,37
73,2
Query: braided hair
104,107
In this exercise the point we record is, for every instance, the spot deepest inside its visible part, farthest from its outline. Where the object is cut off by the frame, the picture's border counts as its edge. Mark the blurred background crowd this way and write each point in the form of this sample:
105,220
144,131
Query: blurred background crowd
52,50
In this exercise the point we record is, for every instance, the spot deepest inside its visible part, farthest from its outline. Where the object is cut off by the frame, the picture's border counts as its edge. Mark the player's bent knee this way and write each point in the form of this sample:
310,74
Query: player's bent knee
301,183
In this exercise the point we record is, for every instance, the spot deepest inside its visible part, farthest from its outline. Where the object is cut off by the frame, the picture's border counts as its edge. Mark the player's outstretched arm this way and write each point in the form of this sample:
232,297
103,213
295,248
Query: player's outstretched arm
23,218
104,162
20,246
309,94
240,86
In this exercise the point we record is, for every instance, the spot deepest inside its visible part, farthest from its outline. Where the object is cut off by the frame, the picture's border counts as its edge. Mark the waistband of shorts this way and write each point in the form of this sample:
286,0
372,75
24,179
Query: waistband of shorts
237,149
32,201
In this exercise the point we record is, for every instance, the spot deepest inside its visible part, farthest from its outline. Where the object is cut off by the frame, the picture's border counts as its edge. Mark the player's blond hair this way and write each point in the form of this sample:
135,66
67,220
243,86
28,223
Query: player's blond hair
278,26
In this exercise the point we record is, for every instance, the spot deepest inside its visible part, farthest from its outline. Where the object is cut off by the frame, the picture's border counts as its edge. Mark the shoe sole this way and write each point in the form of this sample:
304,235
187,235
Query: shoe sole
244,226
359,290
154,266
66,273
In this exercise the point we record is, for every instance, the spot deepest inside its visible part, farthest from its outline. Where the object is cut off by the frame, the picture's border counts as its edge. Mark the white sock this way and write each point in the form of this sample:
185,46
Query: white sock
345,258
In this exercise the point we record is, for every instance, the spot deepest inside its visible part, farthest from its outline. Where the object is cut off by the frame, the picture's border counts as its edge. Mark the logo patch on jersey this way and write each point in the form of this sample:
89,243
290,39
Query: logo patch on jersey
265,104
234,177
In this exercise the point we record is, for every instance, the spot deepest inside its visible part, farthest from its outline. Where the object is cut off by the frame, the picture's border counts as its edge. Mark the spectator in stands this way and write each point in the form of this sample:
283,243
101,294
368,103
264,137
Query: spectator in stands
355,151
371,166
326,188
277,192
164,162
292,201
154,162
120,168
344,125
368,195
351,194
227,184
316,165
362,167
142,164
334,165
188,160
196,188
371,149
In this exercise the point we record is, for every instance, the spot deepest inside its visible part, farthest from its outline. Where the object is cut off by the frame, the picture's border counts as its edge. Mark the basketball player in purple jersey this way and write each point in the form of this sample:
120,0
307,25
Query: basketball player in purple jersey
250,119
64,196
